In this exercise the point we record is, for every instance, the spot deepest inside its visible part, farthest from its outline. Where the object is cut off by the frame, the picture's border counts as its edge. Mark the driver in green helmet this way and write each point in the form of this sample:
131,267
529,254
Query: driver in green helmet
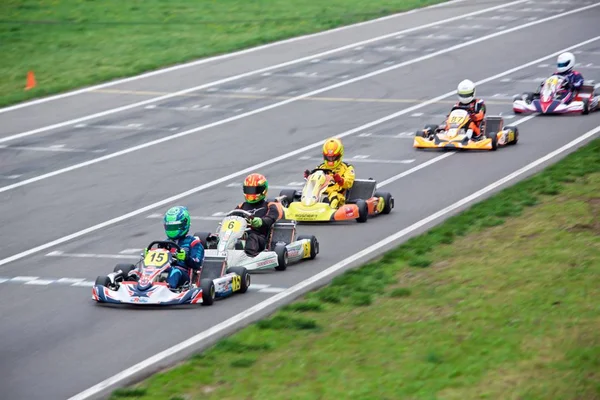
265,213
177,225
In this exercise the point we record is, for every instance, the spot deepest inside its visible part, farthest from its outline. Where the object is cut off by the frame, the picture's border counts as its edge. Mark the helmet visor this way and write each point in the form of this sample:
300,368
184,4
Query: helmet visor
174,228
331,158
254,189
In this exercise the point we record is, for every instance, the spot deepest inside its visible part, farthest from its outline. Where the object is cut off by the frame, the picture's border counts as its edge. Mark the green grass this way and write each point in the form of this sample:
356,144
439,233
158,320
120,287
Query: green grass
505,307
71,43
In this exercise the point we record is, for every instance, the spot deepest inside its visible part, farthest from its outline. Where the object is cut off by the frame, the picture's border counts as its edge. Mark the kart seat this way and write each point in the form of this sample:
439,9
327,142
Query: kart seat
281,232
492,123
213,267
363,189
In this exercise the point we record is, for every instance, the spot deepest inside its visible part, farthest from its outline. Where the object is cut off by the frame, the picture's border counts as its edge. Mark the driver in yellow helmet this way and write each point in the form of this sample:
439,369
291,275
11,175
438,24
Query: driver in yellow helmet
343,173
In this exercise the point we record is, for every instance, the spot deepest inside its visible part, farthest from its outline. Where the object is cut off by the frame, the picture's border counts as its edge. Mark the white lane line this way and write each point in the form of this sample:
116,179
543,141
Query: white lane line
401,135
247,316
9,176
364,160
235,118
86,255
266,163
307,75
51,149
239,53
251,73
194,108
129,127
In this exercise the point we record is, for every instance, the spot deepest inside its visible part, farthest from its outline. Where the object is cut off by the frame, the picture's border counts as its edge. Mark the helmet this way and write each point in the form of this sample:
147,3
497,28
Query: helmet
177,222
466,91
565,62
333,151
256,187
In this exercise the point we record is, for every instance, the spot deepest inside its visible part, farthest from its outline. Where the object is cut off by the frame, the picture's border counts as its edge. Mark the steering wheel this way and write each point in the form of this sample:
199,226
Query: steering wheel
240,213
163,244
327,171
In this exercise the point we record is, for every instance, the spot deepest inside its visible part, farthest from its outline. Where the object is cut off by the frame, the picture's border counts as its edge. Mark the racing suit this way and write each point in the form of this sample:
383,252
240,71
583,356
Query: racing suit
574,82
178,274
336,193
269,213
476,109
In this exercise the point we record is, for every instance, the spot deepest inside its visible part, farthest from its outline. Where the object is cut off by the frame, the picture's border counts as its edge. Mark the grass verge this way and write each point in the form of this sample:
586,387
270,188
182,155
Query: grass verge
503,303
72,43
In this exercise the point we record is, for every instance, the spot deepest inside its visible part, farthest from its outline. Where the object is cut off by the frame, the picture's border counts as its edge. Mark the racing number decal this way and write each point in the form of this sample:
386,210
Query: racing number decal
236,283
156,258
455,119
306,246
231,225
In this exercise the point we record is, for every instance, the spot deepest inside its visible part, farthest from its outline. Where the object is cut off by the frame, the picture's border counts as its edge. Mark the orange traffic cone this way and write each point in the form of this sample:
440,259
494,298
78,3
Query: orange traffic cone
31,83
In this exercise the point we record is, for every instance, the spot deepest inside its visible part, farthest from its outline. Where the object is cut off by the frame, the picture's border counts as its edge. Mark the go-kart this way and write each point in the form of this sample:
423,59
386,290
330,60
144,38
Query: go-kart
549,99
145,282
283,247
454,134
309,204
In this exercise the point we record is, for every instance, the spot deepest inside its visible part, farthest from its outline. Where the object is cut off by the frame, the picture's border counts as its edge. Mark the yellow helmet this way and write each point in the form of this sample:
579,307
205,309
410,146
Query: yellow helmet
333,151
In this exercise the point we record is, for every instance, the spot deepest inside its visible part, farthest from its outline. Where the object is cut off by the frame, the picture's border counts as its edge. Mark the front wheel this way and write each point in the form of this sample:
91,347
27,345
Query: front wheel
208,292
586,107
104,281
282,257
363,211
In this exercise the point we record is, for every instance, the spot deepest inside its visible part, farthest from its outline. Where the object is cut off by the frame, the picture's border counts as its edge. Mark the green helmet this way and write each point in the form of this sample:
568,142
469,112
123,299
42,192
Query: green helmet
177,222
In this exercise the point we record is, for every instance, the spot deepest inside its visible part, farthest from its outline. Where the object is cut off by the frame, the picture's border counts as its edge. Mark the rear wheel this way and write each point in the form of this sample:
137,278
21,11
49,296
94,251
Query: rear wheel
208,292
243,273
314,245
363,211
388,201
282,257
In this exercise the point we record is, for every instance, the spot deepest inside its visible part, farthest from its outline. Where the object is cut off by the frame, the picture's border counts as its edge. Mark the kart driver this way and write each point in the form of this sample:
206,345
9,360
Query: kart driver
265,213
475,107
177,225
343,173
573,79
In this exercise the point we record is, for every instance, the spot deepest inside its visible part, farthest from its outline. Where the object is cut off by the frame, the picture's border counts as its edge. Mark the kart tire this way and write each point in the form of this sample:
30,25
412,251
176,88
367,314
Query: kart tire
282,257
314,245
103,280
126,268
243,273
516,130
586,107
363,211
428,131
203,236
494,137
528,97
388,200
208,291
288,196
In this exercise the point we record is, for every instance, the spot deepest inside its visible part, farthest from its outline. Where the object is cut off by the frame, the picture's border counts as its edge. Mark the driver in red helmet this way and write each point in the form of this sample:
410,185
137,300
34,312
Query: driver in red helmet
265,213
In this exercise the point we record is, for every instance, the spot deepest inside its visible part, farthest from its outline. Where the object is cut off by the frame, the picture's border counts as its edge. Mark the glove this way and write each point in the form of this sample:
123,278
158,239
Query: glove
256,222
181,255
338,179
306,173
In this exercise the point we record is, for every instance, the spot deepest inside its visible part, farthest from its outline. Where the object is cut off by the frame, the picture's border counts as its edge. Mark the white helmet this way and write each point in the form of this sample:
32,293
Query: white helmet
565,62
466,91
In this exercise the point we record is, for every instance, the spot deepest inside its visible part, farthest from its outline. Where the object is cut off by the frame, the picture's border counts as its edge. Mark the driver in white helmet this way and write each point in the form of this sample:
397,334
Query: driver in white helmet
574,80
475,107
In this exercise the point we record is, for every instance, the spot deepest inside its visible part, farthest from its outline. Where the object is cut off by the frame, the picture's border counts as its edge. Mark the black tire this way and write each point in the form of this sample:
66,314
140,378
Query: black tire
203,236
282,257
243,273
388,200
208,292
428,130
314,245
494,137
528,97
125,268
586,107
103,280
363,211
289,195
516,130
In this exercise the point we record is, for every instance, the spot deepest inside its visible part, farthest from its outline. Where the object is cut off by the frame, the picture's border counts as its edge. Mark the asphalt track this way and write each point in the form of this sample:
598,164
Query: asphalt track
57,342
